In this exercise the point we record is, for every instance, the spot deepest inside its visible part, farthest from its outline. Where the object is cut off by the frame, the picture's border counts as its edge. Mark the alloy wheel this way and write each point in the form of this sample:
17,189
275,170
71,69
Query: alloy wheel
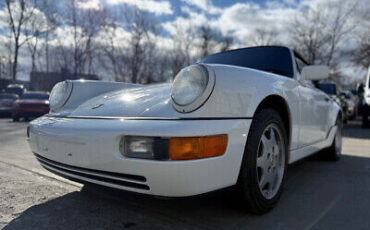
270,161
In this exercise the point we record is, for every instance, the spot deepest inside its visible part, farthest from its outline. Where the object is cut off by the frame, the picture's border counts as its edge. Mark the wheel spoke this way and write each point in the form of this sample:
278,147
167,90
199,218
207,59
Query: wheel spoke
262,182
262,162
265,142
272,137
270,177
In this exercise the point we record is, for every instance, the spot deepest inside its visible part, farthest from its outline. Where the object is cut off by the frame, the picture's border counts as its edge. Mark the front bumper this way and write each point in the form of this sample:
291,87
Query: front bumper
88,150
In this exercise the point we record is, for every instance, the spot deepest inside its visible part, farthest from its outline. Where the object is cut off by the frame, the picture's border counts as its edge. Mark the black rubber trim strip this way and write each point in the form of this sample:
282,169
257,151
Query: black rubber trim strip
93,177
97,178
121,175
150,118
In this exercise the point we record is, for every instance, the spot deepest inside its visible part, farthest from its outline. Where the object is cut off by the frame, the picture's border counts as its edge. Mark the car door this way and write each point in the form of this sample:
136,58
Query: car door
313,108
313,111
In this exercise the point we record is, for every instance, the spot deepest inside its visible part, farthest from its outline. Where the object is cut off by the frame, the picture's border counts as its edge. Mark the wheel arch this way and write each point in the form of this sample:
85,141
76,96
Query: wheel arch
279,104
339,114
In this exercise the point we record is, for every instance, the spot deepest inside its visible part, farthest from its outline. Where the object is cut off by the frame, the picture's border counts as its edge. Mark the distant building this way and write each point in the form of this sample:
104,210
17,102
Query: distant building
45,81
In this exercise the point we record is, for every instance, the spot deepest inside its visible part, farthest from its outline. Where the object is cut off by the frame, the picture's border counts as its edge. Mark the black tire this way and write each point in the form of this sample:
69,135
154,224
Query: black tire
15,119
345,121
365,117
353,117
333,153
247,185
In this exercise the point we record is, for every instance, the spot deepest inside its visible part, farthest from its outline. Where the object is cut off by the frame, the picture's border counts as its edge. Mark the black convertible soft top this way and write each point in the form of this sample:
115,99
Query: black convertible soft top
275,59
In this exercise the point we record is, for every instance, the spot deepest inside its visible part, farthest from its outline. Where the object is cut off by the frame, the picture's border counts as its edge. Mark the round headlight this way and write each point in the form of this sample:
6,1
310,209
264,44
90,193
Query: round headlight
60,94
191,88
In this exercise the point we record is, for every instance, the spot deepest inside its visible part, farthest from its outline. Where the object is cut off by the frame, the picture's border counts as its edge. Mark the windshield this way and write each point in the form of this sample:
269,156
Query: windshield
328,88
7,96
35,96
273,59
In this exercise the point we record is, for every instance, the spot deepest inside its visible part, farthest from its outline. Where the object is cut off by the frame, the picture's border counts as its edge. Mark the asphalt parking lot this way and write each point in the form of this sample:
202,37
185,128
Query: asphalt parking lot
318,195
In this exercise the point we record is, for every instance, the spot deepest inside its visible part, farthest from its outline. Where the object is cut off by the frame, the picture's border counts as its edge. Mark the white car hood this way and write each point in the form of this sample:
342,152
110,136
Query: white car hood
237,93
142,101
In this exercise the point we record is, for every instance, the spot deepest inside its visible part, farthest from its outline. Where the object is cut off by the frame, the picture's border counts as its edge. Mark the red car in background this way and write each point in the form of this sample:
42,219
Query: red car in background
31,104
6,103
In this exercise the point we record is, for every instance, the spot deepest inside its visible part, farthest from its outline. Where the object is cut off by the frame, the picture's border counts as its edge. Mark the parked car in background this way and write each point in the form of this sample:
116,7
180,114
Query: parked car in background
365,104
351,102
235,118
6,103
31,104
331,90
357,99
15,89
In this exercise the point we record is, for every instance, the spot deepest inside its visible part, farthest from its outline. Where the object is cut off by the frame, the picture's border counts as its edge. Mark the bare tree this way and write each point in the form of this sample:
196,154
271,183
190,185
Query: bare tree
361,56
49,9
340,26
35,28
85,25
263,37
33,44
19,12
6,58
213,41
140,25
226,43
62,56
319,32
112,58
308,36
206,35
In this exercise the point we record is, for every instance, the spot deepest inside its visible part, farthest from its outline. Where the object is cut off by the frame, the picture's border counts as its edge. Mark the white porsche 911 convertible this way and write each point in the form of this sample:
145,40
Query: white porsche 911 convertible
235,118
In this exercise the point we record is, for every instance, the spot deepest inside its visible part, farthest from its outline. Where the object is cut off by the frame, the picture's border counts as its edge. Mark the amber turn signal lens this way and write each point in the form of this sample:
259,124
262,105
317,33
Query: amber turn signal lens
188,148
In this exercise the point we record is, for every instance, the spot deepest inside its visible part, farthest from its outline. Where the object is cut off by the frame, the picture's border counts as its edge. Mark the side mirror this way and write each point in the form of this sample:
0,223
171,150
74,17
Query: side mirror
315,72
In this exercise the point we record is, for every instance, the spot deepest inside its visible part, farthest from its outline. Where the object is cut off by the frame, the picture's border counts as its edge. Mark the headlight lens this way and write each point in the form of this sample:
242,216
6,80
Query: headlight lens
60,94
191,88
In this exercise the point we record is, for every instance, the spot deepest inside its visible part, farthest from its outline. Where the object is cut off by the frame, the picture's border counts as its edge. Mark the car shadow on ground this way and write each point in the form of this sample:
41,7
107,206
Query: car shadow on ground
318,195
317,192
354,130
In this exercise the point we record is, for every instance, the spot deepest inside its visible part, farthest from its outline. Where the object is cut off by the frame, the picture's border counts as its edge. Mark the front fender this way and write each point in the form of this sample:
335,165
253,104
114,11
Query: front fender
239,91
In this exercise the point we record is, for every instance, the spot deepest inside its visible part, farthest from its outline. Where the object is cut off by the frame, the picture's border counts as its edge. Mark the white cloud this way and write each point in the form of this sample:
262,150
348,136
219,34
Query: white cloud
155,7
239,20
185,24
89,5
205,5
